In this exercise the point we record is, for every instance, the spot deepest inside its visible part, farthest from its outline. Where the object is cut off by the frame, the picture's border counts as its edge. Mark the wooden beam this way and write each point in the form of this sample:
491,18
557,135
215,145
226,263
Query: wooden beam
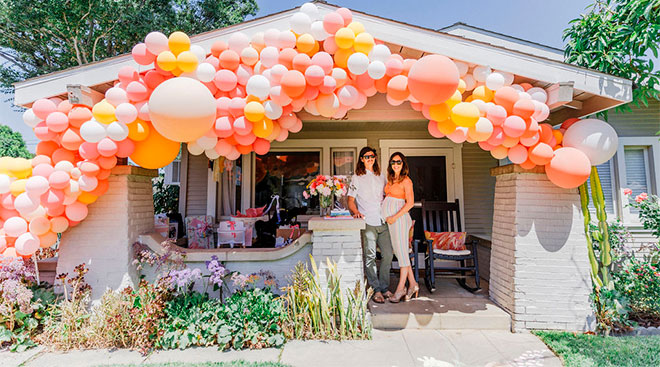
80,94
559,94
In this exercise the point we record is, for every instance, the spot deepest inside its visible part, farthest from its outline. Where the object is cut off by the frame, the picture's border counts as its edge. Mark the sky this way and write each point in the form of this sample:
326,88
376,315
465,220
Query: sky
540,21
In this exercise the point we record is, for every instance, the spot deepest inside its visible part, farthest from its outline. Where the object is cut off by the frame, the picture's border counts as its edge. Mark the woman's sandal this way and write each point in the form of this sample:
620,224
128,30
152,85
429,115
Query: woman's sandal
397,296
412,293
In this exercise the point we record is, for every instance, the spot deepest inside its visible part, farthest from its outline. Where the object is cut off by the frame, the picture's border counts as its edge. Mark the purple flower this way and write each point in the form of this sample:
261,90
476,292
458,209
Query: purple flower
185,277
13,292
217,270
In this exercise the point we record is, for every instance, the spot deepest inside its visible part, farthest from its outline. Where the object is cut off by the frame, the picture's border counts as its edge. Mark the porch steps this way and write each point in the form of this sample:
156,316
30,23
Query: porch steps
47,270
449,307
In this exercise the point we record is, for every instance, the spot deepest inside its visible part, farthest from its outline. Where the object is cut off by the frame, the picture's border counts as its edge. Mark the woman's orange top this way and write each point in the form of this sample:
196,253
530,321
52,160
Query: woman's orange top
396,190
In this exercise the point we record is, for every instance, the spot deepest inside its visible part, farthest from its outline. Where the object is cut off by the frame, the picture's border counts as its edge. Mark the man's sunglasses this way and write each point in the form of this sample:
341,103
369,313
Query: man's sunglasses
369,156
396,161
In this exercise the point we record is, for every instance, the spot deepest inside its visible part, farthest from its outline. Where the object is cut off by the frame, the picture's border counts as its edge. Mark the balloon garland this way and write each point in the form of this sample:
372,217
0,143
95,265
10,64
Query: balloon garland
245,93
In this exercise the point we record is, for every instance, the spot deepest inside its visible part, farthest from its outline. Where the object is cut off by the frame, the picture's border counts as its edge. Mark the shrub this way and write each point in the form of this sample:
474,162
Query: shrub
312,313
639,281
649,211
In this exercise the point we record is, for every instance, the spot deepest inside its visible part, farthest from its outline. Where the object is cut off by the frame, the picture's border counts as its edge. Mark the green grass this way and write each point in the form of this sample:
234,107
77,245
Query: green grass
582,350
239,363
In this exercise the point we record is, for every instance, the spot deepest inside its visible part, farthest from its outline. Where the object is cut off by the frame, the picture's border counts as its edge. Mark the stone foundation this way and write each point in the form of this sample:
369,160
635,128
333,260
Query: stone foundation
539,269
103,241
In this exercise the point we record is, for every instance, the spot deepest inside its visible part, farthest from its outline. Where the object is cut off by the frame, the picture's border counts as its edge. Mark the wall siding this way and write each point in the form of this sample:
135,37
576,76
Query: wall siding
641,121
196,188
478,190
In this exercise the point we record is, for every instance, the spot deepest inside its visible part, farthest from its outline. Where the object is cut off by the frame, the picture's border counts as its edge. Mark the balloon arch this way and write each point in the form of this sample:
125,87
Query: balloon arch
245,93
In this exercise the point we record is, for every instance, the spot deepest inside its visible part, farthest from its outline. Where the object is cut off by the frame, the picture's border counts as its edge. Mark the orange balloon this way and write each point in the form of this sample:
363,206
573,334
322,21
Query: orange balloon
47,148
138,130
523,108
432,79
482,93
293,83
569,168
244,149
397,88
78,115
446,126
506,97
341,57
541,154
71,139
528,164
559,137
87,198
229,59
155,151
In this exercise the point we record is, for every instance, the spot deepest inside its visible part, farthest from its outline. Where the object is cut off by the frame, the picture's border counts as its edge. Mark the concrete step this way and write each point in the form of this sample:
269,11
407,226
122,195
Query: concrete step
449,307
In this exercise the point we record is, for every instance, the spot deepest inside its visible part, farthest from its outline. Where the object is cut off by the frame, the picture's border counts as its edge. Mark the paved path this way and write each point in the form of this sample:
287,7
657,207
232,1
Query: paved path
401,348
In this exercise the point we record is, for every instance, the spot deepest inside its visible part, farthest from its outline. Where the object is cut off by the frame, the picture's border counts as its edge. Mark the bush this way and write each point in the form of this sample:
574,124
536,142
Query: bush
639,281
166,197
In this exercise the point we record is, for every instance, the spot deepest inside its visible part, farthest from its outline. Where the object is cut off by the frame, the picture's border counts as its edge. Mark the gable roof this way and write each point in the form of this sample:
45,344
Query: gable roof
533,63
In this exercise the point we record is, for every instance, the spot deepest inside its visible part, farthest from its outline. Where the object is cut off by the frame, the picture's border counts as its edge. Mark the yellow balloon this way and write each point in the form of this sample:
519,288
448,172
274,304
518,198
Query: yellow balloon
364,42
263,128
344,38
356,27
138,131
315,49
20,168
341,57
87,198
17,187
461,86
155,151
4,164
104,112
483,93
166,61
465,114
454,100
446,126
177,71
186,61
178,42
254,111
305,43
439,112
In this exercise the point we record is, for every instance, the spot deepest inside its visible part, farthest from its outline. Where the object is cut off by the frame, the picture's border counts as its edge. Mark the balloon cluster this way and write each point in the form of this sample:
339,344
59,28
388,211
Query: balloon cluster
245,93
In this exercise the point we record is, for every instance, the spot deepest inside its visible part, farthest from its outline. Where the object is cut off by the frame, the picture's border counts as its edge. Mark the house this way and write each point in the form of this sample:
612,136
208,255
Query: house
531,230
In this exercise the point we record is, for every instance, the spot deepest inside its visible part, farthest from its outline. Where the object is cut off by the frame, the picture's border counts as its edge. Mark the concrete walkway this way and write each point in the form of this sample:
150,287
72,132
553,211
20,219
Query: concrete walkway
401,348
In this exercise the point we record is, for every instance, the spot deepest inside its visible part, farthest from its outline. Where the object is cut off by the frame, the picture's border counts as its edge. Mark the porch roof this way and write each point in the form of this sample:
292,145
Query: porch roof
592,91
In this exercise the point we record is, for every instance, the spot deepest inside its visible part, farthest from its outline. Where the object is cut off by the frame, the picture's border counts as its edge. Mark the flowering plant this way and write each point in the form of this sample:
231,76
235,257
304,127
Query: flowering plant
649,210
324,185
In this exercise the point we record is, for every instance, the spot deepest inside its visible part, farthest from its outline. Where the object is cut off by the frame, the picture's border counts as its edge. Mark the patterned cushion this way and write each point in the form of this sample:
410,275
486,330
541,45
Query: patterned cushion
447,240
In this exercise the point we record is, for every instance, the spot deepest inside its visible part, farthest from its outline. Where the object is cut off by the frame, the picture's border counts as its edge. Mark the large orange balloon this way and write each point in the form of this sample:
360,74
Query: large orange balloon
155,151
433,79
182,109
569,168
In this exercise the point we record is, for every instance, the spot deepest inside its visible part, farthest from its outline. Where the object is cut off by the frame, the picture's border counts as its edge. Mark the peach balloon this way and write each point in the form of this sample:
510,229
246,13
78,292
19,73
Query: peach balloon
182,109
433,79
528,164
76,211
293,83
59,224
39,226
541,154
71,140
397,88
506,97
517,154
499,152
47,239
261,146
569,168
514,126
481,131
524,108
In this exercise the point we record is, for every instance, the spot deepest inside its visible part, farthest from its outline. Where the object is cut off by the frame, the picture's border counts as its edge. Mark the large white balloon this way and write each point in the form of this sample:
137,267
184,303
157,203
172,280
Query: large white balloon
205,72
30,118
595,138
318,32
358,63
92,131
301,23
5,182
494,81
258,86
311,10
376,70
117,131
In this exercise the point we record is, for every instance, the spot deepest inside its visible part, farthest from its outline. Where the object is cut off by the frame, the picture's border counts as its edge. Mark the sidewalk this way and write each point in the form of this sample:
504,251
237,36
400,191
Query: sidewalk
401,348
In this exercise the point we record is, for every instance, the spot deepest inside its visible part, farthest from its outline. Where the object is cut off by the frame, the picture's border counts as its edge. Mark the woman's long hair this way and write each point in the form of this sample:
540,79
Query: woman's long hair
360,169
404,168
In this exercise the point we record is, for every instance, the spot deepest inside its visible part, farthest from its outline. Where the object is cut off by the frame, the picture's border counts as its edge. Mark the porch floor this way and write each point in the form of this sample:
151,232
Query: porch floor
449,307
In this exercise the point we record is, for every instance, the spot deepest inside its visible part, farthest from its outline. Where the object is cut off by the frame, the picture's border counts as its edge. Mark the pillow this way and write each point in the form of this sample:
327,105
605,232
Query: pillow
447,240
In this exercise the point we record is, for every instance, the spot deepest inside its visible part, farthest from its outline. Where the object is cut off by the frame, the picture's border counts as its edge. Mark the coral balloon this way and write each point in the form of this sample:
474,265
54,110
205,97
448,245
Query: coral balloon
433,79
541,154
569,168
293,83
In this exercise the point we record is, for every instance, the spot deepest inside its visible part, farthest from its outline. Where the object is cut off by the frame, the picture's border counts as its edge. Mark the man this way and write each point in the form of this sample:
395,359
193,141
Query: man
366,189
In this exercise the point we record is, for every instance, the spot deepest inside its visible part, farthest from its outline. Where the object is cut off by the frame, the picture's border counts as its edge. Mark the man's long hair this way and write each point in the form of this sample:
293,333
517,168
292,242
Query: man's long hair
360,169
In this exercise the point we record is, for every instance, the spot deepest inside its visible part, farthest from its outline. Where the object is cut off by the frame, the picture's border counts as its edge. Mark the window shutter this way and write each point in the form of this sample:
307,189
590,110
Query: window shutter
605,175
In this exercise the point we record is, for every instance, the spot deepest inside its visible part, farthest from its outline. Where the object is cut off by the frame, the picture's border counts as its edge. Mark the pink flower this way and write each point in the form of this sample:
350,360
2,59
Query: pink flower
641,197
627,192
305,195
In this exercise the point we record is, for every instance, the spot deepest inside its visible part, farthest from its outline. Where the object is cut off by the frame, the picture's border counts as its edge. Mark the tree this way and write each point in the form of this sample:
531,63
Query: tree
12,143
41,36
618,37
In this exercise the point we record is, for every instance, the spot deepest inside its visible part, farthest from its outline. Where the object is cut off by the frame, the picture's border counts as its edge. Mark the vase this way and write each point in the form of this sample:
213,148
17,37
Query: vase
325,202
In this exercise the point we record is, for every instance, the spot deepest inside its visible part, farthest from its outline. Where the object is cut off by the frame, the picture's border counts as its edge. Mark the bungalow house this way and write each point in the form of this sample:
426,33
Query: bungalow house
531,232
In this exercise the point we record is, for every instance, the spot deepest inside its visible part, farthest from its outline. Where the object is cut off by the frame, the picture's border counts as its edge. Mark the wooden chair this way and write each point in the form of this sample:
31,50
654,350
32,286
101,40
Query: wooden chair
439,216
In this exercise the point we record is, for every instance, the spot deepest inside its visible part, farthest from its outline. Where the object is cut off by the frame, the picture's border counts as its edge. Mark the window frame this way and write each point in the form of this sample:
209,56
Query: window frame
651,146
169,175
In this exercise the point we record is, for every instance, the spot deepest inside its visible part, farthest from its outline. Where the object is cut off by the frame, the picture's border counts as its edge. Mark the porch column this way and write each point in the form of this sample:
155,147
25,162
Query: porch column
340,241
103,241
539,269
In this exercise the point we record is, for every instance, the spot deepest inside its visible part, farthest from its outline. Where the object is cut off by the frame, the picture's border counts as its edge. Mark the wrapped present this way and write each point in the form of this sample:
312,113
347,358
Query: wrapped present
199,230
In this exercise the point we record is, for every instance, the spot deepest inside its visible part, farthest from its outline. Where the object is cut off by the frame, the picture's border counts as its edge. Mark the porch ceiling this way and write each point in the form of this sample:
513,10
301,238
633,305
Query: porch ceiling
592,91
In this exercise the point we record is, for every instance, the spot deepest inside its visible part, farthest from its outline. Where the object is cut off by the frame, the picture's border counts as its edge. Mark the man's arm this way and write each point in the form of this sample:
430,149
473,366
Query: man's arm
352,207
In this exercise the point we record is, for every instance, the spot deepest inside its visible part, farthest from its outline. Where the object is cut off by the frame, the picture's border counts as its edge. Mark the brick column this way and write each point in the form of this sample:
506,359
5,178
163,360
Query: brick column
104,239
340,241
539,269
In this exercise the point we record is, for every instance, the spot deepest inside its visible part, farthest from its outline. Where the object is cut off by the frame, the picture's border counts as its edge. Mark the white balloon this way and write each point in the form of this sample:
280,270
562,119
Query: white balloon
462,67
156,42
595,138
271,37
272,110
88,183
205,72
301,23
286,40
5,181
494,81
199,52
524,95
481,105
311,10
358,63
258,86
15,226
207,142
310,107
64,166
211,153
117,131
75,173
92,131
30,119
518,88
538,94
480,73
380,53
27,244
470,83
269,56
277,71
541,111
25,203
116,96
376,70
126,113
318,32
238,41
194,148
508,77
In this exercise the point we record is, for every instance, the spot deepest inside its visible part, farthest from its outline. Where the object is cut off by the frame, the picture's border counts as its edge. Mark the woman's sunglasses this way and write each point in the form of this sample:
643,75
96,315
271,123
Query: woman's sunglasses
396,161
369,156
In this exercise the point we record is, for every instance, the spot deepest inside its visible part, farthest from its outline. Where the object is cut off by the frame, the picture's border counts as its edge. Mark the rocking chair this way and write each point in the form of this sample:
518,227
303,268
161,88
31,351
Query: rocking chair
439,216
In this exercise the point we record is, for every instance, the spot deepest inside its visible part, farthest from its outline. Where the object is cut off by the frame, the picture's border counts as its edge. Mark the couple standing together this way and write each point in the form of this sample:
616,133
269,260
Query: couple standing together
383,200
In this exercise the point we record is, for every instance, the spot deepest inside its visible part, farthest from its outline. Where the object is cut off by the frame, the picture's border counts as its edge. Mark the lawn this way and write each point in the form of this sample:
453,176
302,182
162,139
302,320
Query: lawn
582,350
240,363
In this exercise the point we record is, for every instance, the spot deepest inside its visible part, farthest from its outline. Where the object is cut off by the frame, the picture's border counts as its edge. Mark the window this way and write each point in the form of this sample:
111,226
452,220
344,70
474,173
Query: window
637,171
637,167
285,174
343,161
173,172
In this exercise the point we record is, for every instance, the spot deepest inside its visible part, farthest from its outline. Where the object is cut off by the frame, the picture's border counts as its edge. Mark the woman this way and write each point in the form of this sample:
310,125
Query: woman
399,199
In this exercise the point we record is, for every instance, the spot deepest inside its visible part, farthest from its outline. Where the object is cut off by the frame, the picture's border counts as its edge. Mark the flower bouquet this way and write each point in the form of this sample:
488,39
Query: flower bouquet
327,188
